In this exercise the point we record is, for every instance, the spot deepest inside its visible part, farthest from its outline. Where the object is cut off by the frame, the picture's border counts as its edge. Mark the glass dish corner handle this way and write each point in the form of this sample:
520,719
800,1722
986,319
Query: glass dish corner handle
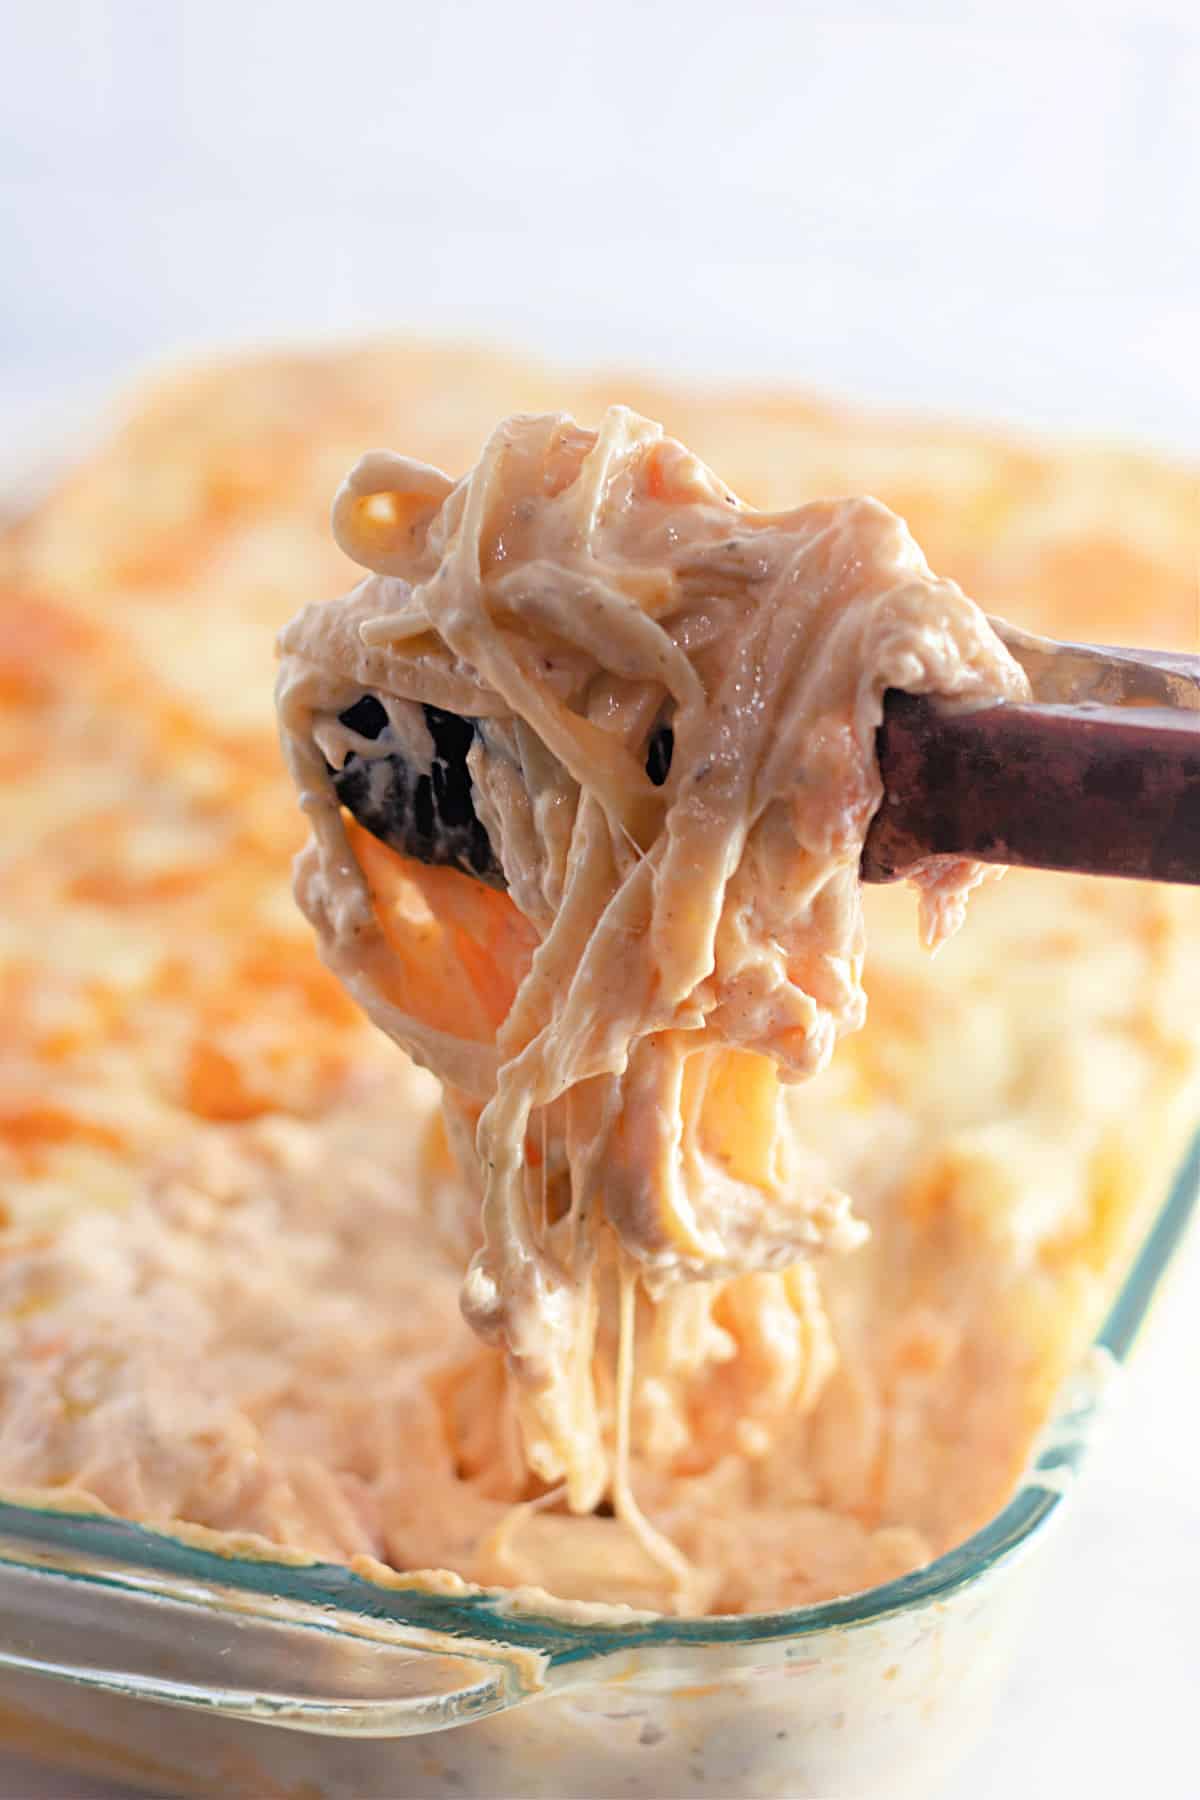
99,1621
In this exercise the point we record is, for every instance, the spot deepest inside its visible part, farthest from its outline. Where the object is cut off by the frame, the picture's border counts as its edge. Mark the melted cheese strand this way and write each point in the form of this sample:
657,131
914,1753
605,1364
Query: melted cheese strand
659,1549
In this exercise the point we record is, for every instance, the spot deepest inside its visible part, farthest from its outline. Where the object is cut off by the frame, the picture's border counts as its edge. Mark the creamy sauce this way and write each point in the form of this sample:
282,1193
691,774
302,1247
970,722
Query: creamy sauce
675,950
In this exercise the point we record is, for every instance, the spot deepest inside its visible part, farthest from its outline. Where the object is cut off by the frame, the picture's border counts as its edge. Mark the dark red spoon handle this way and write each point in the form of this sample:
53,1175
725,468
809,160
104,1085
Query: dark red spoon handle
1097,789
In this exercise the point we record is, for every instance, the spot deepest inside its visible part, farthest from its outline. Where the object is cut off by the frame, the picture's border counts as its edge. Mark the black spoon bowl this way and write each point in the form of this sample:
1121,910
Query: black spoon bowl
429,817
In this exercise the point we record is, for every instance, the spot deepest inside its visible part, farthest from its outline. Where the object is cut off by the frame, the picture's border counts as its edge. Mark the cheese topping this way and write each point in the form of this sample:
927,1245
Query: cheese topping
680,938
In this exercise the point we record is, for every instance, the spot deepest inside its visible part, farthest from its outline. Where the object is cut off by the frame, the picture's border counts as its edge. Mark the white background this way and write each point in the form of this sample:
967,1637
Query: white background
984,207
989,209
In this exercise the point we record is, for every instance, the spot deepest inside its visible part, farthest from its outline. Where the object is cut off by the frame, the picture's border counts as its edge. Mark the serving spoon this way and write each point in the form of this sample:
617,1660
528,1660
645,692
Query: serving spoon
1099,773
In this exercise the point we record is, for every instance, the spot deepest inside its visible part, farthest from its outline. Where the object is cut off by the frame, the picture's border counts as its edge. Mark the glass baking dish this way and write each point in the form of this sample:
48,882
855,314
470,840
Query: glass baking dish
176,1667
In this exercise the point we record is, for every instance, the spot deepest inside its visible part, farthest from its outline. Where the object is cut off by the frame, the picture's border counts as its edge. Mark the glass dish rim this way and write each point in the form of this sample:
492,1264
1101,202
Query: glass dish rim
127,1549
